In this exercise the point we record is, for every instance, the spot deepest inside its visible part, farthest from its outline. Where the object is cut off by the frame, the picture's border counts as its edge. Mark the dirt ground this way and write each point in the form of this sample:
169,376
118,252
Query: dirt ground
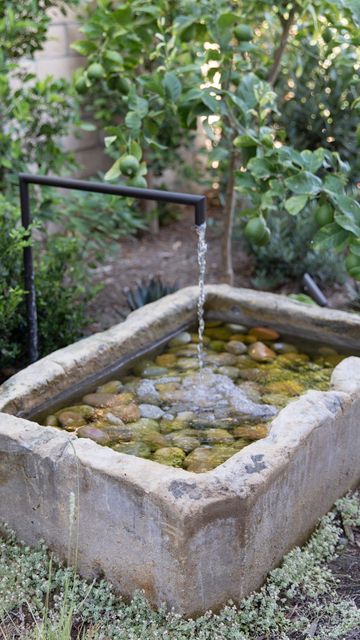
171,254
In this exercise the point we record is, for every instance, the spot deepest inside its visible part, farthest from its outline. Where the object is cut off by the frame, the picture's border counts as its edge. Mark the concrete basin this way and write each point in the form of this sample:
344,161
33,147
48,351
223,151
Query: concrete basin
190,540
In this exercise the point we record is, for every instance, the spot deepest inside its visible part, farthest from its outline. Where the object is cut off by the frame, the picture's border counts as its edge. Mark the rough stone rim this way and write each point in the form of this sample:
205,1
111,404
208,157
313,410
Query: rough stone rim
253,464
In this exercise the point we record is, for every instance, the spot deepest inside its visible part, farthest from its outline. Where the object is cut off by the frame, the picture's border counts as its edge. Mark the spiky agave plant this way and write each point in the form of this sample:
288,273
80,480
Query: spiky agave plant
148,291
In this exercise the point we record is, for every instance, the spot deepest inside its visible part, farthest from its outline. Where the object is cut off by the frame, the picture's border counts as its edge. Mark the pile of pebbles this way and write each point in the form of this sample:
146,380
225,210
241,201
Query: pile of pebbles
170,412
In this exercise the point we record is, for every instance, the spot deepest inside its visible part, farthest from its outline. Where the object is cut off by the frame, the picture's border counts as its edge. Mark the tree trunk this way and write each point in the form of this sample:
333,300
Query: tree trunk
229,212
286,25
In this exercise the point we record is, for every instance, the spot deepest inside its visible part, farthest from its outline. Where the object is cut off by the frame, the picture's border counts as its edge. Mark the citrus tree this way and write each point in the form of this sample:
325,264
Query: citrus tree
155,70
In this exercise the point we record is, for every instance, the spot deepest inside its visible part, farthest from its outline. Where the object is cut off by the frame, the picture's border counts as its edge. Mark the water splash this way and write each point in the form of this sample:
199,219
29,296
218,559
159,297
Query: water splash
201,255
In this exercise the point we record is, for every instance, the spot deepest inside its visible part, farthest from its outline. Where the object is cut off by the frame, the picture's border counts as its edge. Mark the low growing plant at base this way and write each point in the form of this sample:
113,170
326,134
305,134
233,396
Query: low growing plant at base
54,602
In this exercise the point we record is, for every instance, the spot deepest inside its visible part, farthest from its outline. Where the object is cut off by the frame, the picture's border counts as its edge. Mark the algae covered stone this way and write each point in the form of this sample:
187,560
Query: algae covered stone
171,456
139,449
70,420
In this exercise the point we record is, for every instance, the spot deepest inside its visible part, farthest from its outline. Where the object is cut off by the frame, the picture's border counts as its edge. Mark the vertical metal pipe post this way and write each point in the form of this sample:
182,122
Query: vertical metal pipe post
33,347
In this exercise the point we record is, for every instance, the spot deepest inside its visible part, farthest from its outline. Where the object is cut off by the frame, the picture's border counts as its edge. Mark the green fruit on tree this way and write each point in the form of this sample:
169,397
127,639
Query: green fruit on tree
243,33
95,71
257,232
324,214
139,182
352,263
123,85
129,165
81,84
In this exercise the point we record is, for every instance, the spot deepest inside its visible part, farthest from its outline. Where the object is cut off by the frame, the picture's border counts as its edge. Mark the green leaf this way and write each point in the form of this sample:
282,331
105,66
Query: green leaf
133,121
349,218
313,160
172,86
295,204
304,183
210,102
135,149
114,172
109,140
332,236
242,142
333,185
226,20
114,56
260,167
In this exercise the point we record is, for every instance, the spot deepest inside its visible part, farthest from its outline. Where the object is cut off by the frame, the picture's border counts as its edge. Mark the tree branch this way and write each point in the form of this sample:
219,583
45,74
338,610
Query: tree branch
286,26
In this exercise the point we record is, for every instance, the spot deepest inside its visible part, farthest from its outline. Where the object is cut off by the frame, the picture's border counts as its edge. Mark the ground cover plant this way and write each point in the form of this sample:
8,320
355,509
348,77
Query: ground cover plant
43,600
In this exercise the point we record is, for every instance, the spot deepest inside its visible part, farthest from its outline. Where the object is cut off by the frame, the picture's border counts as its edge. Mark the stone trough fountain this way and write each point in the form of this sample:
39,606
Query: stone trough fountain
199,529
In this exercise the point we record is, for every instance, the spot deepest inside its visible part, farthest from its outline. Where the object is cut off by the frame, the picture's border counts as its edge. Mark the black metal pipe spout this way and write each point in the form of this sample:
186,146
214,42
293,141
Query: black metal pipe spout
25,179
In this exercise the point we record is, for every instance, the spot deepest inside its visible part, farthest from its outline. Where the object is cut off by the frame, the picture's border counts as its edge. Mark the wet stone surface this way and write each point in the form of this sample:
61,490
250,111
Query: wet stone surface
168,411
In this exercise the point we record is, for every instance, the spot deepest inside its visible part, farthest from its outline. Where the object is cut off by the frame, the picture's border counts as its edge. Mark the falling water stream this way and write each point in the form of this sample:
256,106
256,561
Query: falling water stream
201,255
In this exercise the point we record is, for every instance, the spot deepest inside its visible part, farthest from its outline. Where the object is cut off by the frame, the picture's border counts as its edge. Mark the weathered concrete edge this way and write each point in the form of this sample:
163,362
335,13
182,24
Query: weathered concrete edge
288,431
65,367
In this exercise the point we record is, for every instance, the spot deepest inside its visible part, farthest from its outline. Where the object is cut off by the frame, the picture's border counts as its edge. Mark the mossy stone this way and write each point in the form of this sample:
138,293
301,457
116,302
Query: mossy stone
251,431
152,438
143,424
83,410
236,347
230,372
217,345
139,449
166,359
284,347
199,460
113,386
216,436
70,420
51,421
217,333
186,443
168,426
171,456
287,387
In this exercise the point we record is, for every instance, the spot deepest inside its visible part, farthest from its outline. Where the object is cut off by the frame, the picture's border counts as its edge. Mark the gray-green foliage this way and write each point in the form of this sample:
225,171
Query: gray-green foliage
29,582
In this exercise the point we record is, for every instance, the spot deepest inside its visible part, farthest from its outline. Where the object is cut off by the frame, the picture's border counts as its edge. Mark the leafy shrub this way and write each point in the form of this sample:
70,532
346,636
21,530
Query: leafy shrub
289,253
96,220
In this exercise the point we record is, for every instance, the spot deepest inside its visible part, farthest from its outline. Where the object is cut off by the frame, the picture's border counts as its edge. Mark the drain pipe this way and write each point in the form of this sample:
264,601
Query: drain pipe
314,291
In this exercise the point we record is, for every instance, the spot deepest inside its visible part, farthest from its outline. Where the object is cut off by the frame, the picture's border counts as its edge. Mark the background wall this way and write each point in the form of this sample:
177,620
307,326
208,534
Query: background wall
59,60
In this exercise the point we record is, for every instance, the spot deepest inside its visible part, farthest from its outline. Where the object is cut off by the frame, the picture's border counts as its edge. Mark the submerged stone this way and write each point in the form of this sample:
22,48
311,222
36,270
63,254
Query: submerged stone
236,328
150,411
113,386
230,372
199,460
152,438
251,431
217,333
260,352
217,345
143,424
284,347
70,420
147,392
166,359
51,421
100,399
181,339
127,412
98,435
185,442
83,410
171,456
264,333
236,347
138,449
216,436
